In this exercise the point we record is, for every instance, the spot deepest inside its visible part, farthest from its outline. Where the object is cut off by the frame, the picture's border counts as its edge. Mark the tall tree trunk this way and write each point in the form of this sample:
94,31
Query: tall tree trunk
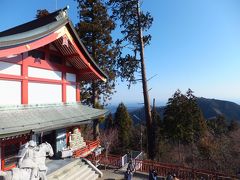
96,132
145,89
94,103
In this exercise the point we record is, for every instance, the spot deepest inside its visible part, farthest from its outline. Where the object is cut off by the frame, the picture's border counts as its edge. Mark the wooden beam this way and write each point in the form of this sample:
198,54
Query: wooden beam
71,56
33,45
82,56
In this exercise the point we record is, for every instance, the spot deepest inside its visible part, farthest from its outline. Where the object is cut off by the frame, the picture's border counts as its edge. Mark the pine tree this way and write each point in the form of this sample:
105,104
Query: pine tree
133,23
108,124
123,123
42,13
218,125
95,28
156,125
183,120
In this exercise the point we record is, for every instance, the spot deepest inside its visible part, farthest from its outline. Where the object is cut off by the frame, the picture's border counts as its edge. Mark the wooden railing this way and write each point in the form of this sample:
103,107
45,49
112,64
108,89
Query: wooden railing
162,169
109,161
93,144
85,151
182,172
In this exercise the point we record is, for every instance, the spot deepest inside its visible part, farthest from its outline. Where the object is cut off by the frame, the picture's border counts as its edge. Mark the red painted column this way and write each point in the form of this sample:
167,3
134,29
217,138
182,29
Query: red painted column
78,91
64,87
2,157
78,98
24,72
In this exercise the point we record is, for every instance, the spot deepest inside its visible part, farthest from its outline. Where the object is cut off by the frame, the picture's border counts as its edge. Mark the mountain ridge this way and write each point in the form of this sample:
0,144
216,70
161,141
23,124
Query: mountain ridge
210,108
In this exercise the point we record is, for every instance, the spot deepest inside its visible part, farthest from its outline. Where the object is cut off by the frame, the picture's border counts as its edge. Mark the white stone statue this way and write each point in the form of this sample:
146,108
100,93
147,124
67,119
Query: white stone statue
31,164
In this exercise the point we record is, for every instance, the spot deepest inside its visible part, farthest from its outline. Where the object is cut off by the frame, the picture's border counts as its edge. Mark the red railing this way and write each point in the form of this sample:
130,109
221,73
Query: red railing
182,172
85,151
93,144
109,161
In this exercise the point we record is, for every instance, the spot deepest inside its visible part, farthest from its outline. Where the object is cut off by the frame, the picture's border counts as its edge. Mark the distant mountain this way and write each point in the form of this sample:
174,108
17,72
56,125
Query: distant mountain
210,108
214,107
130,106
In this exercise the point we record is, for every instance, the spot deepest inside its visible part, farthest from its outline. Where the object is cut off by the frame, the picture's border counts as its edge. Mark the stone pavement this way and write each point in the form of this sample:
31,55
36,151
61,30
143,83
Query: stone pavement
111,174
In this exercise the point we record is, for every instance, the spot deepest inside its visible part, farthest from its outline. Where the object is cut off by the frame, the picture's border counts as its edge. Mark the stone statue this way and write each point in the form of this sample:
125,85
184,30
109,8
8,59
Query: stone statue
31,164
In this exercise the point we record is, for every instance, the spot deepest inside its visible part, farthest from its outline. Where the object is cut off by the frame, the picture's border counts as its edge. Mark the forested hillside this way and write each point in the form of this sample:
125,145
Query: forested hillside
210,108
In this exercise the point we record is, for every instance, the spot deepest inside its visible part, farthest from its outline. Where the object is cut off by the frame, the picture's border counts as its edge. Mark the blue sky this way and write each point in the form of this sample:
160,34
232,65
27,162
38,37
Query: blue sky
195,44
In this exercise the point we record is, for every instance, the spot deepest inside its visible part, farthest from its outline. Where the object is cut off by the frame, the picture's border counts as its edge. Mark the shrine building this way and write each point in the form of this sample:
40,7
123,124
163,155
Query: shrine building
42,63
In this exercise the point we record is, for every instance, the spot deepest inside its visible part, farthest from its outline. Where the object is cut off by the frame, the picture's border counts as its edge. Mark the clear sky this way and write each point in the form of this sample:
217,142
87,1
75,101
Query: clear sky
195,44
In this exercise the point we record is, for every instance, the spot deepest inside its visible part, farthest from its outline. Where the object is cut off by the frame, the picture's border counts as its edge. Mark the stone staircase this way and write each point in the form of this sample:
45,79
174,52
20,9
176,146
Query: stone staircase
76,170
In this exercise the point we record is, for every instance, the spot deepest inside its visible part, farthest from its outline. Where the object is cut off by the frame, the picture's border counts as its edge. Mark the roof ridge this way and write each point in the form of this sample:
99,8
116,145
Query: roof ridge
38,22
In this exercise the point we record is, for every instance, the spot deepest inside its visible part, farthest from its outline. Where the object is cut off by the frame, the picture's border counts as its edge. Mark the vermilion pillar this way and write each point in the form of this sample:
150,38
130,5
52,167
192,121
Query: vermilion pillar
78,92
78,97
24,73
64,87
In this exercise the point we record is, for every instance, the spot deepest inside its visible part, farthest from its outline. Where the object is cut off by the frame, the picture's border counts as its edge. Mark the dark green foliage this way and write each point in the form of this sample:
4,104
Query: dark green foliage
94,28
42,13
123,123
156,130
218,125
125,12
133,23
183,120
233,126
210,109
108,124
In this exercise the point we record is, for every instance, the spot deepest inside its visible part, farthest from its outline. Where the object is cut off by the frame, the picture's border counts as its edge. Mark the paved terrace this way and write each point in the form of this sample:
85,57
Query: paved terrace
111,174
108,174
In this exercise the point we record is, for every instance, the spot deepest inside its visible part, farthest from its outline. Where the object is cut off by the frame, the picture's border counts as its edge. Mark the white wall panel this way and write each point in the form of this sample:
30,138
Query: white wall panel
10,92
44,73
71,93
39,93
10,68
71,77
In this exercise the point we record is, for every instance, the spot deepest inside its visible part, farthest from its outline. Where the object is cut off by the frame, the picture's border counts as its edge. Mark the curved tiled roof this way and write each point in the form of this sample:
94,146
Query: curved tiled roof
39,28
36,118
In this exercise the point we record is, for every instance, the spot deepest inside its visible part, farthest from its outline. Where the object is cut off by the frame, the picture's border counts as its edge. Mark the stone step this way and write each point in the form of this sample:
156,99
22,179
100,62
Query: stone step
74,170
64,169
93,176
80,175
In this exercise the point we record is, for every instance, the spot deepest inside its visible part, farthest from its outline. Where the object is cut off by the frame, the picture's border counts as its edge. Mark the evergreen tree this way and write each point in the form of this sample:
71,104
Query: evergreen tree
218,126
195,117
95,28
133,23
156,122
123,123
183,120
109,122
42,13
